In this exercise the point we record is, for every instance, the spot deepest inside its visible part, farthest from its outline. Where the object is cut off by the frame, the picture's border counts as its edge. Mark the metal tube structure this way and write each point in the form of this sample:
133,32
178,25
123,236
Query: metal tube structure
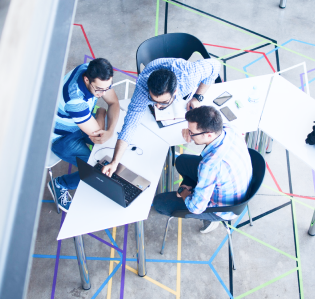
166,17
141,255
269,145
54,191
249,216
84,272
170,170
262,143
165,234
283,3
160,185
251,139
258,141
311,230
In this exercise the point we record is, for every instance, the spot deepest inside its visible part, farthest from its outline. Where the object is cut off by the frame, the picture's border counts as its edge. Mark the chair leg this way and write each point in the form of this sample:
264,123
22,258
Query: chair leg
230,243
164,239
249,216
52,183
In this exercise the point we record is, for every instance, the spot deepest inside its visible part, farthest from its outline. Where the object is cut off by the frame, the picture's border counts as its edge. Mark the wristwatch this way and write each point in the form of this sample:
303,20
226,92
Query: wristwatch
180,190
199,97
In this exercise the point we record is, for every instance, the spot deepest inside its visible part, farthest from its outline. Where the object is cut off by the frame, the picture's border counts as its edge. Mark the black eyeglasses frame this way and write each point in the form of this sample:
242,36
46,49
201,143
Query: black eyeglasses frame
164,105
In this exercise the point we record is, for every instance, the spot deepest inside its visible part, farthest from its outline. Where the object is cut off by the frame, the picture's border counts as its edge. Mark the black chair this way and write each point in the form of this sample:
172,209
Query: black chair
171,45
259,168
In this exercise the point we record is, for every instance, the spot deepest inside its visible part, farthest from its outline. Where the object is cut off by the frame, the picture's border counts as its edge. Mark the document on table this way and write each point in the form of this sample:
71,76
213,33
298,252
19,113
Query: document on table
174,111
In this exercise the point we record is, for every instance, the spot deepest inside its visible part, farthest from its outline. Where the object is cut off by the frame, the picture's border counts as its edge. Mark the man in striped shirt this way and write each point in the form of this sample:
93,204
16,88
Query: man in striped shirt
162,82
219,177
75,123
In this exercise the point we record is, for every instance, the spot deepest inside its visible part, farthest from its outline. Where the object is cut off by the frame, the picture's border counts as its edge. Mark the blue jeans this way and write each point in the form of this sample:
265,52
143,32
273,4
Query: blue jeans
68,148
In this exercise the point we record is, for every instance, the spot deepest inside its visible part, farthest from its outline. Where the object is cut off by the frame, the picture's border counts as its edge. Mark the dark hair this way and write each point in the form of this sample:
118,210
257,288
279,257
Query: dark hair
99,68
208,119
162,81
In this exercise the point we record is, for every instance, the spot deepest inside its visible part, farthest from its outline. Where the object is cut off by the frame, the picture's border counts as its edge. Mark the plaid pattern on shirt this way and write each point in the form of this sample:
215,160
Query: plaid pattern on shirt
224,174
189,76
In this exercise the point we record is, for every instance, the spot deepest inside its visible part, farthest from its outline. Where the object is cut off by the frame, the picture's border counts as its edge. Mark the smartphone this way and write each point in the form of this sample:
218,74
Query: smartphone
221,99
228,113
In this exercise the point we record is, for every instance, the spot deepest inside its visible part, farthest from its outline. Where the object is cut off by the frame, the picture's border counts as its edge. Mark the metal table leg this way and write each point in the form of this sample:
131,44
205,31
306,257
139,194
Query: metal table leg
258,141
269,145
166,183
141,256
283,3
311,230
84,272
169,171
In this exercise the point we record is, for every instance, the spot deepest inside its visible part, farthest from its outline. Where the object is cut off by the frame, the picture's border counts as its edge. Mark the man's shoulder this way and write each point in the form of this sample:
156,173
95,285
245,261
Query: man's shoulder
73,85
157,64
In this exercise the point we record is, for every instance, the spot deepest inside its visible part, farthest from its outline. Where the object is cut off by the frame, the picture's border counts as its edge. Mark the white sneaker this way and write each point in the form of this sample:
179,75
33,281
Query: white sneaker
209,226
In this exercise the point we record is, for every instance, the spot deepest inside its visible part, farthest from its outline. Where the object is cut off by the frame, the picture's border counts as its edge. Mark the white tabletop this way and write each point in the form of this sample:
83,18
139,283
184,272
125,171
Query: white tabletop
288,117
170,134
247,117
91,211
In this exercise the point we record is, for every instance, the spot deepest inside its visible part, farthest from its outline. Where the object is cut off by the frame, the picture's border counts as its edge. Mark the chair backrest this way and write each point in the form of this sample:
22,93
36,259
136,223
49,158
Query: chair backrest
52,160
259,169
171,45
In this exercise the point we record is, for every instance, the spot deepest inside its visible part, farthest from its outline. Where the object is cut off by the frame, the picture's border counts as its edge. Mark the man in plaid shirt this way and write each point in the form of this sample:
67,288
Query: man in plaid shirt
219,177
162,82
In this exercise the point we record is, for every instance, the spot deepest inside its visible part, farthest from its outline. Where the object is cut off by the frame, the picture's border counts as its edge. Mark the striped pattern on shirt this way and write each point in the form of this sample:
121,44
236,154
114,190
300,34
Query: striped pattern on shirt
189,76
75,105
224,174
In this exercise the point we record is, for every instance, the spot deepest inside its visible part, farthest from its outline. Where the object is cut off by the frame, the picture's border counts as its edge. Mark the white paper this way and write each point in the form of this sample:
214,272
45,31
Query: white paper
174,111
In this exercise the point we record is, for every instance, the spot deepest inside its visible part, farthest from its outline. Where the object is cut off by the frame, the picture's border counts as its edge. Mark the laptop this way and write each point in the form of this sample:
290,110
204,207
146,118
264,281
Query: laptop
123,187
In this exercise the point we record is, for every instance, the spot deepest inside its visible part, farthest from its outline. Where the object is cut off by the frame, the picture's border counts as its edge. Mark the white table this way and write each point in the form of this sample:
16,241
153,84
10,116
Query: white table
247,117
101,212
91,211
288,117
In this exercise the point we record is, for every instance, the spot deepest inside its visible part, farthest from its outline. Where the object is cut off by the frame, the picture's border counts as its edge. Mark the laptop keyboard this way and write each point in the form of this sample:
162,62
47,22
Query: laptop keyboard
131,192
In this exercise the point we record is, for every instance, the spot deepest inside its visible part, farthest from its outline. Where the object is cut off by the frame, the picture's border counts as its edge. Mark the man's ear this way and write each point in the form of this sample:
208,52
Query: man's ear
86,80
210,135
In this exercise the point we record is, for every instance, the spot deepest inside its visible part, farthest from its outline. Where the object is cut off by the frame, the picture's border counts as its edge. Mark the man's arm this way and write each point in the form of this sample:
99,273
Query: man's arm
194,103
120,149
209,70
198,201
90,126
102,135
136,109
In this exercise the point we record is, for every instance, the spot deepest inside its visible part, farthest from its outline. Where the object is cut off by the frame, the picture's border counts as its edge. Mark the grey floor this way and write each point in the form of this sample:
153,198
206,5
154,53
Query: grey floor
115,29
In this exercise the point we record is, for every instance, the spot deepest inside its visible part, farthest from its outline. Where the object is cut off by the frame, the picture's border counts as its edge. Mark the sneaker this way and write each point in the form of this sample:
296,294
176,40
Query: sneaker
208,226
62,195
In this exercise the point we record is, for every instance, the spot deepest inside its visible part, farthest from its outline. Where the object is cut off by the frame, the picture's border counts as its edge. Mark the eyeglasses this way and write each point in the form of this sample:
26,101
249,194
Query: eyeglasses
164,105
192,135
100,91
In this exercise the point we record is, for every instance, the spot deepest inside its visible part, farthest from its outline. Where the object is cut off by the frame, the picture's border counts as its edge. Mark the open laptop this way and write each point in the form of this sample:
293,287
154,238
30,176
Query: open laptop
123,187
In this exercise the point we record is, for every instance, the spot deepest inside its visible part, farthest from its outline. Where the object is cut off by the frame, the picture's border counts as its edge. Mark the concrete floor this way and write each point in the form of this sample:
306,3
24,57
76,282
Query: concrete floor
115,29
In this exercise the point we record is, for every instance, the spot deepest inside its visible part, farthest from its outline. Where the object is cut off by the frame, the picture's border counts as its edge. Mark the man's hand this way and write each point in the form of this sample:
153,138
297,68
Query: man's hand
186,190
192,104
186,136
100,136
110,168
